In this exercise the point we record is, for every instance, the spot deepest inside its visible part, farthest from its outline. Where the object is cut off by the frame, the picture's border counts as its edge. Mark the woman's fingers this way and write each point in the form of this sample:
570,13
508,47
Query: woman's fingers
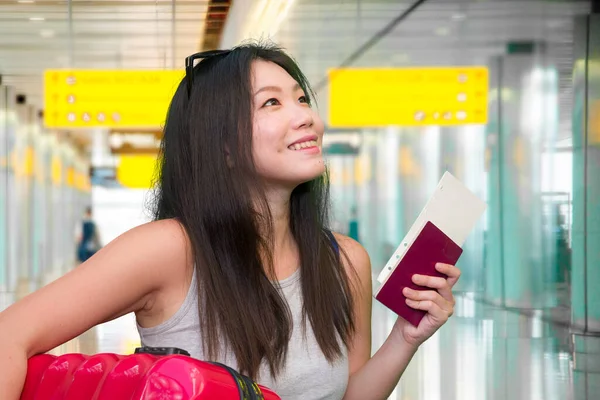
438,302
430,301
434,282
450,271
431,307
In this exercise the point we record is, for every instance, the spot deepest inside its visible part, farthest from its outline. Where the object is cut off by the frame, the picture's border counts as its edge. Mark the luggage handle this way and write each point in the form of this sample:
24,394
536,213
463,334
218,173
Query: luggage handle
161,351
247,389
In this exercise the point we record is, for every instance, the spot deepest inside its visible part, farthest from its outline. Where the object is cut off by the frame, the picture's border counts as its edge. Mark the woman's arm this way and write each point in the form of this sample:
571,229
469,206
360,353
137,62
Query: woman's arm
121,278
378,377
375,378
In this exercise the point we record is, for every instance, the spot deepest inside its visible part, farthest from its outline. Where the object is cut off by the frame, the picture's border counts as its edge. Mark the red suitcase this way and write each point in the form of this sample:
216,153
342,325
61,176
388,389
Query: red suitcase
148,374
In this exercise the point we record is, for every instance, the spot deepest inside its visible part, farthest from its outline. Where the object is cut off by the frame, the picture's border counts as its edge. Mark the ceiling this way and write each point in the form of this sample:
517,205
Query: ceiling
322,34
102,34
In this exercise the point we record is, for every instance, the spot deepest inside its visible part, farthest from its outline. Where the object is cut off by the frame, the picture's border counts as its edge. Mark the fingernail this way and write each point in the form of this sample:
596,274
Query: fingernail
407,291
416,278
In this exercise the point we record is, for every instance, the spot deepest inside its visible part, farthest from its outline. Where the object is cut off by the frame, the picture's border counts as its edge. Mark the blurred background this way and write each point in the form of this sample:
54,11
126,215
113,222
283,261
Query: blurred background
504,94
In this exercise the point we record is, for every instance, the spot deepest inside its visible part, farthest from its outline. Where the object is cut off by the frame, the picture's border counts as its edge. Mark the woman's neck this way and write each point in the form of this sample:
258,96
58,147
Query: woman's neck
284,251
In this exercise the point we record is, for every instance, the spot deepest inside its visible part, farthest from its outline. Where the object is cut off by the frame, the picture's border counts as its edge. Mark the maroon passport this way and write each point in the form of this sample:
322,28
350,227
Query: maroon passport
430,247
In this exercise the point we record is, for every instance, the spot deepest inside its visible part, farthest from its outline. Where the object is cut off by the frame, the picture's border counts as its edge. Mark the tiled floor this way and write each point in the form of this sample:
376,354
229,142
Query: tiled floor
483,353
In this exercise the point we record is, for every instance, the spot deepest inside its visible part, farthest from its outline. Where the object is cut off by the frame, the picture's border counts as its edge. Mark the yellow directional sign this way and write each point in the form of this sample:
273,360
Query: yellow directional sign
108,98
360,97
137,171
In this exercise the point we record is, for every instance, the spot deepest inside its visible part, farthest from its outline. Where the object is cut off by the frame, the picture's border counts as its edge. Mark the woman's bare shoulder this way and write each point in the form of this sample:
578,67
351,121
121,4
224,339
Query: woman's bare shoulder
357,254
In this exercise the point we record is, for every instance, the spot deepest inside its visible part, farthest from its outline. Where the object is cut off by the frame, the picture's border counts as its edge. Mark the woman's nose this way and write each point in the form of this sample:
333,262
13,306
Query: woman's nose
302,117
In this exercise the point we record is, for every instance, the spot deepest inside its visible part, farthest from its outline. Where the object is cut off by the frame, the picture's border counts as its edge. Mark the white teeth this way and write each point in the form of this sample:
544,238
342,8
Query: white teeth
303,145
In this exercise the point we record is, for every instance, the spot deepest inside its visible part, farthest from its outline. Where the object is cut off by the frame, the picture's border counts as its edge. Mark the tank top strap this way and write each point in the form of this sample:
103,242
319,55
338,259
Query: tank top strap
333,240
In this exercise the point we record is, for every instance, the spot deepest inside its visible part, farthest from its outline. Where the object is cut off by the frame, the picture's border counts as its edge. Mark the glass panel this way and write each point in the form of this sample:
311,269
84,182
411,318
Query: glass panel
3,194
592,174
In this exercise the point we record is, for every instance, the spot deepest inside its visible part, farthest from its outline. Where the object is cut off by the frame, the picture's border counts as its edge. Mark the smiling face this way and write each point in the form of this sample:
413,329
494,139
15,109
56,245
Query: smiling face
287,132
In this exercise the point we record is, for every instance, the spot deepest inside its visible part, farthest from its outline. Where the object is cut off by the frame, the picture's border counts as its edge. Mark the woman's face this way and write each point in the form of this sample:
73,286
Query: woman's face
287,132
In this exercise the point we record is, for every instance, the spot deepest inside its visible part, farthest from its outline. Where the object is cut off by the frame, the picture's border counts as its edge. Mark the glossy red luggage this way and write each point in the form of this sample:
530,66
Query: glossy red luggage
146,375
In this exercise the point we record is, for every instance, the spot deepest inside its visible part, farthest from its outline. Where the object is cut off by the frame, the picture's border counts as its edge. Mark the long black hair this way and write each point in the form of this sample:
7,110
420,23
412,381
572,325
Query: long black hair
208,182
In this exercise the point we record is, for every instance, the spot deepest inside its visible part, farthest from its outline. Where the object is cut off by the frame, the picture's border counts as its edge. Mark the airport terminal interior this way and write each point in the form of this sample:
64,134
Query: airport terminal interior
503,94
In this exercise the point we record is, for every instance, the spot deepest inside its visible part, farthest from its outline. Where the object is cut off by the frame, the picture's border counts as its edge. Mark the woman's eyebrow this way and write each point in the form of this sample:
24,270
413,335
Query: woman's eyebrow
275,89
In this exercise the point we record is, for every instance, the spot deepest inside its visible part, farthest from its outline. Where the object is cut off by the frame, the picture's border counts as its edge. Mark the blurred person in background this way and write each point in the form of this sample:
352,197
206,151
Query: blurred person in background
88,239
238,265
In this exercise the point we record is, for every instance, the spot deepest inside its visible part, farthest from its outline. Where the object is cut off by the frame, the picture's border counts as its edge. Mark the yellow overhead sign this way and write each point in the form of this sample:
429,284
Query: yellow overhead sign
137,171
407,96
108,98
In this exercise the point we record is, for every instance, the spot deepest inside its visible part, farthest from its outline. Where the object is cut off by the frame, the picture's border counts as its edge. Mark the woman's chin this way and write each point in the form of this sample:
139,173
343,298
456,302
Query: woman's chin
312,173
296,175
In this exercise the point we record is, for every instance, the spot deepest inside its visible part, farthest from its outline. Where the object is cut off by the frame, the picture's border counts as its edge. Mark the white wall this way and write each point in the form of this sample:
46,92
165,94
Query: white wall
119,210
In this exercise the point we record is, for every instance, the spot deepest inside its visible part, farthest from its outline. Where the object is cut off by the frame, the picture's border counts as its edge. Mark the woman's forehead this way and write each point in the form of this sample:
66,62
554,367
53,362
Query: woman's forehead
267,73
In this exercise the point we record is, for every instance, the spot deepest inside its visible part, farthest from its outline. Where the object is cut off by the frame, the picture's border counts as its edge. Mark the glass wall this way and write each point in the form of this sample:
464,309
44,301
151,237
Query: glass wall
4,168
8,244
43,189
586,196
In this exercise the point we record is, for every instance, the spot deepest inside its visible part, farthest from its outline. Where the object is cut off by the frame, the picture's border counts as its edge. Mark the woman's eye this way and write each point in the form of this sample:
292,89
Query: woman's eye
271,102
303,99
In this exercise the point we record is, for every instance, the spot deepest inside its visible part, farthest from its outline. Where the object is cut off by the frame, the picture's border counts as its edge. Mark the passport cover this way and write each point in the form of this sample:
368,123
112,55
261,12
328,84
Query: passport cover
430,247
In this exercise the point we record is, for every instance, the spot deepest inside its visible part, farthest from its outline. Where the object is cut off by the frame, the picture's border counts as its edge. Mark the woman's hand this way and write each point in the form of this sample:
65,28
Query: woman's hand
438,303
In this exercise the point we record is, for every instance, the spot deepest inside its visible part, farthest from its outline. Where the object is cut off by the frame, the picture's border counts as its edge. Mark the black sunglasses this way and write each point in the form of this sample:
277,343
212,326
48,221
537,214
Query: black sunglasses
189,64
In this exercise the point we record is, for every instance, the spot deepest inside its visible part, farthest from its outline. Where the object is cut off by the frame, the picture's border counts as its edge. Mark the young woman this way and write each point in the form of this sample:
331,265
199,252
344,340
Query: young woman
238,265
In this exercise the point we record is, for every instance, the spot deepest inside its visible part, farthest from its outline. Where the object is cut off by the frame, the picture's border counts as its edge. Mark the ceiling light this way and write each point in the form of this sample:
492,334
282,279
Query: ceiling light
442,31
458,16
25,1
37,19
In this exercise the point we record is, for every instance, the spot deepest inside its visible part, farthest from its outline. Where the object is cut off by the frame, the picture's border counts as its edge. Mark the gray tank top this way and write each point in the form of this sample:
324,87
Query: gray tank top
306,375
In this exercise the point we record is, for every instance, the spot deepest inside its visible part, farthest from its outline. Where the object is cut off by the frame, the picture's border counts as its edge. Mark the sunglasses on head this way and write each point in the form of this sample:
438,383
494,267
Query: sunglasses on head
189,64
